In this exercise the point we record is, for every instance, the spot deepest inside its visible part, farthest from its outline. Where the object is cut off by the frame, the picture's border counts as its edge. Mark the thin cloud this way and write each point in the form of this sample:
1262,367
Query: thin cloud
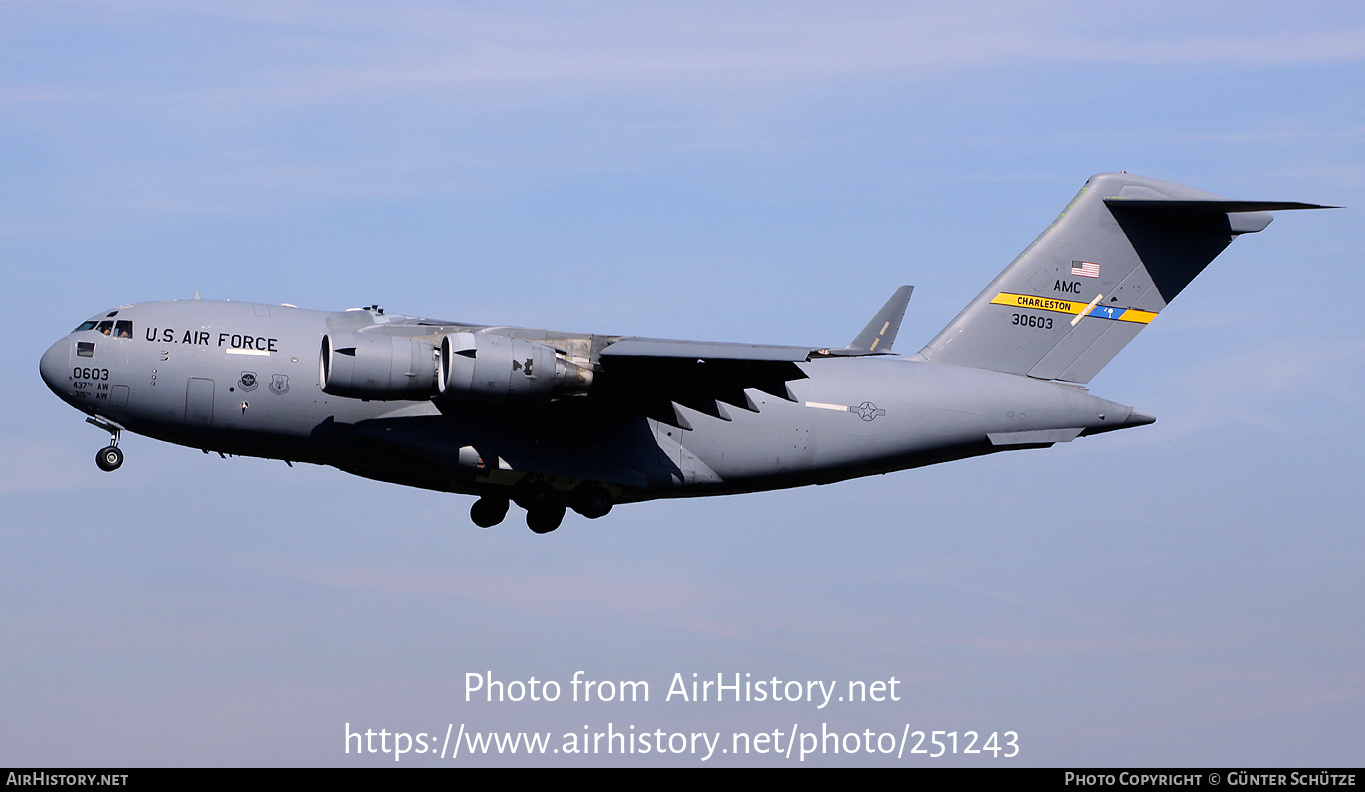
308,54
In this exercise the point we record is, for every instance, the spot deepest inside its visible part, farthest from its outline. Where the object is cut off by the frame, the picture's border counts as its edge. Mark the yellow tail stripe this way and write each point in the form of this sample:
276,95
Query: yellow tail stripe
1038,303
1072,308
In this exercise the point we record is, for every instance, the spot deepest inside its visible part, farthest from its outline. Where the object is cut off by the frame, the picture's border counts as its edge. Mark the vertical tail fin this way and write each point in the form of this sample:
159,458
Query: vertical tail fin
1121,250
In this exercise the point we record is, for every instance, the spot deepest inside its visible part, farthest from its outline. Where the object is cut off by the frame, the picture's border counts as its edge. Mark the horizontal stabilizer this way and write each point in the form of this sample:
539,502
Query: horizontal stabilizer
1217,207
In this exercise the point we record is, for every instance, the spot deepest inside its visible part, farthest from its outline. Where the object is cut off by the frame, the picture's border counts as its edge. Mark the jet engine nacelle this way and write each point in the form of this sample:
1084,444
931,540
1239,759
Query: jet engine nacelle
372,366
496,368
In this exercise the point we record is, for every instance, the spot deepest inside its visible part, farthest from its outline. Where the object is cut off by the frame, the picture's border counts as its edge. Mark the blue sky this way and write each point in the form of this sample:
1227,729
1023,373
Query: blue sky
1184,593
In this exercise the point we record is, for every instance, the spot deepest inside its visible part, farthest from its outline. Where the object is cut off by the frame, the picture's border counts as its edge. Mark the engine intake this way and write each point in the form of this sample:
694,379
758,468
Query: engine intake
371,366
496,368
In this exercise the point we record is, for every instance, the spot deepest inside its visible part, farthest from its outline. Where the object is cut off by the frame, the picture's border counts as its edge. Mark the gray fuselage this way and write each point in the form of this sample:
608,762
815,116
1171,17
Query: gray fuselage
244,378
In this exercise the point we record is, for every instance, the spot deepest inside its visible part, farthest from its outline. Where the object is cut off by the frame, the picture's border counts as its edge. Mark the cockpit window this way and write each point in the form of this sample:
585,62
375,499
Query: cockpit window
123,329
105,327
85,349
90,325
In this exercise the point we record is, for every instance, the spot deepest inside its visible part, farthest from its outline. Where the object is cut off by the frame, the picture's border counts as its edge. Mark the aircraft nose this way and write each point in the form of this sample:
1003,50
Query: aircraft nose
53,365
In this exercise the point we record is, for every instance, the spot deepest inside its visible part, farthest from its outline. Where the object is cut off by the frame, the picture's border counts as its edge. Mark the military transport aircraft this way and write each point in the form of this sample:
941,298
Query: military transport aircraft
550,420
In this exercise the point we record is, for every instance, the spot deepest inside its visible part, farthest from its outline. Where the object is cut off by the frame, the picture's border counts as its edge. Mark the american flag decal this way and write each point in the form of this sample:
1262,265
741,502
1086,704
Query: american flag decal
1085,269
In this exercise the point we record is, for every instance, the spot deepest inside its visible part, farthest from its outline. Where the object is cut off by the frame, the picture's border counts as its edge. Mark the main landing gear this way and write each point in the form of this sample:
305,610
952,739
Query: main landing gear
544,509
545,506
590,500
109,458
488,511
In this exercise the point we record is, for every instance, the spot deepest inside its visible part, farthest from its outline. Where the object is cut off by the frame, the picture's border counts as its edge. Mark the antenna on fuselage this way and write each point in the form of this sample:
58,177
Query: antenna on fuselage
196,294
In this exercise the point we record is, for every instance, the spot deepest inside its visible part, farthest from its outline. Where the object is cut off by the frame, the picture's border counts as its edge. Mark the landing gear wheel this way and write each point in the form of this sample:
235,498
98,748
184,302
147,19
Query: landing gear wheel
109,458
488,512
591,501
535,495
544,519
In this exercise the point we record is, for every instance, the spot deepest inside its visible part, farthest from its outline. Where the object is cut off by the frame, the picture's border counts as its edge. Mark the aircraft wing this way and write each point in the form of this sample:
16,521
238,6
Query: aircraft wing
655,376
875,339
704,350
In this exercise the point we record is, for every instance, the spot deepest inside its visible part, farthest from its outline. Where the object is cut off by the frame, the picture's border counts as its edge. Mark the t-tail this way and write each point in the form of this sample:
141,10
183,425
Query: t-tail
1107,266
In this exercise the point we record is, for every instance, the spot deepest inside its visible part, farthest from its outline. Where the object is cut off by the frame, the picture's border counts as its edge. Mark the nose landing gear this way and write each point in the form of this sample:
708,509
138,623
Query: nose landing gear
109,458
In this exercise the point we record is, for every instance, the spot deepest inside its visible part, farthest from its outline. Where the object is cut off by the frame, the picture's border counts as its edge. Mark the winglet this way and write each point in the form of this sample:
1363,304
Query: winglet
880,333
